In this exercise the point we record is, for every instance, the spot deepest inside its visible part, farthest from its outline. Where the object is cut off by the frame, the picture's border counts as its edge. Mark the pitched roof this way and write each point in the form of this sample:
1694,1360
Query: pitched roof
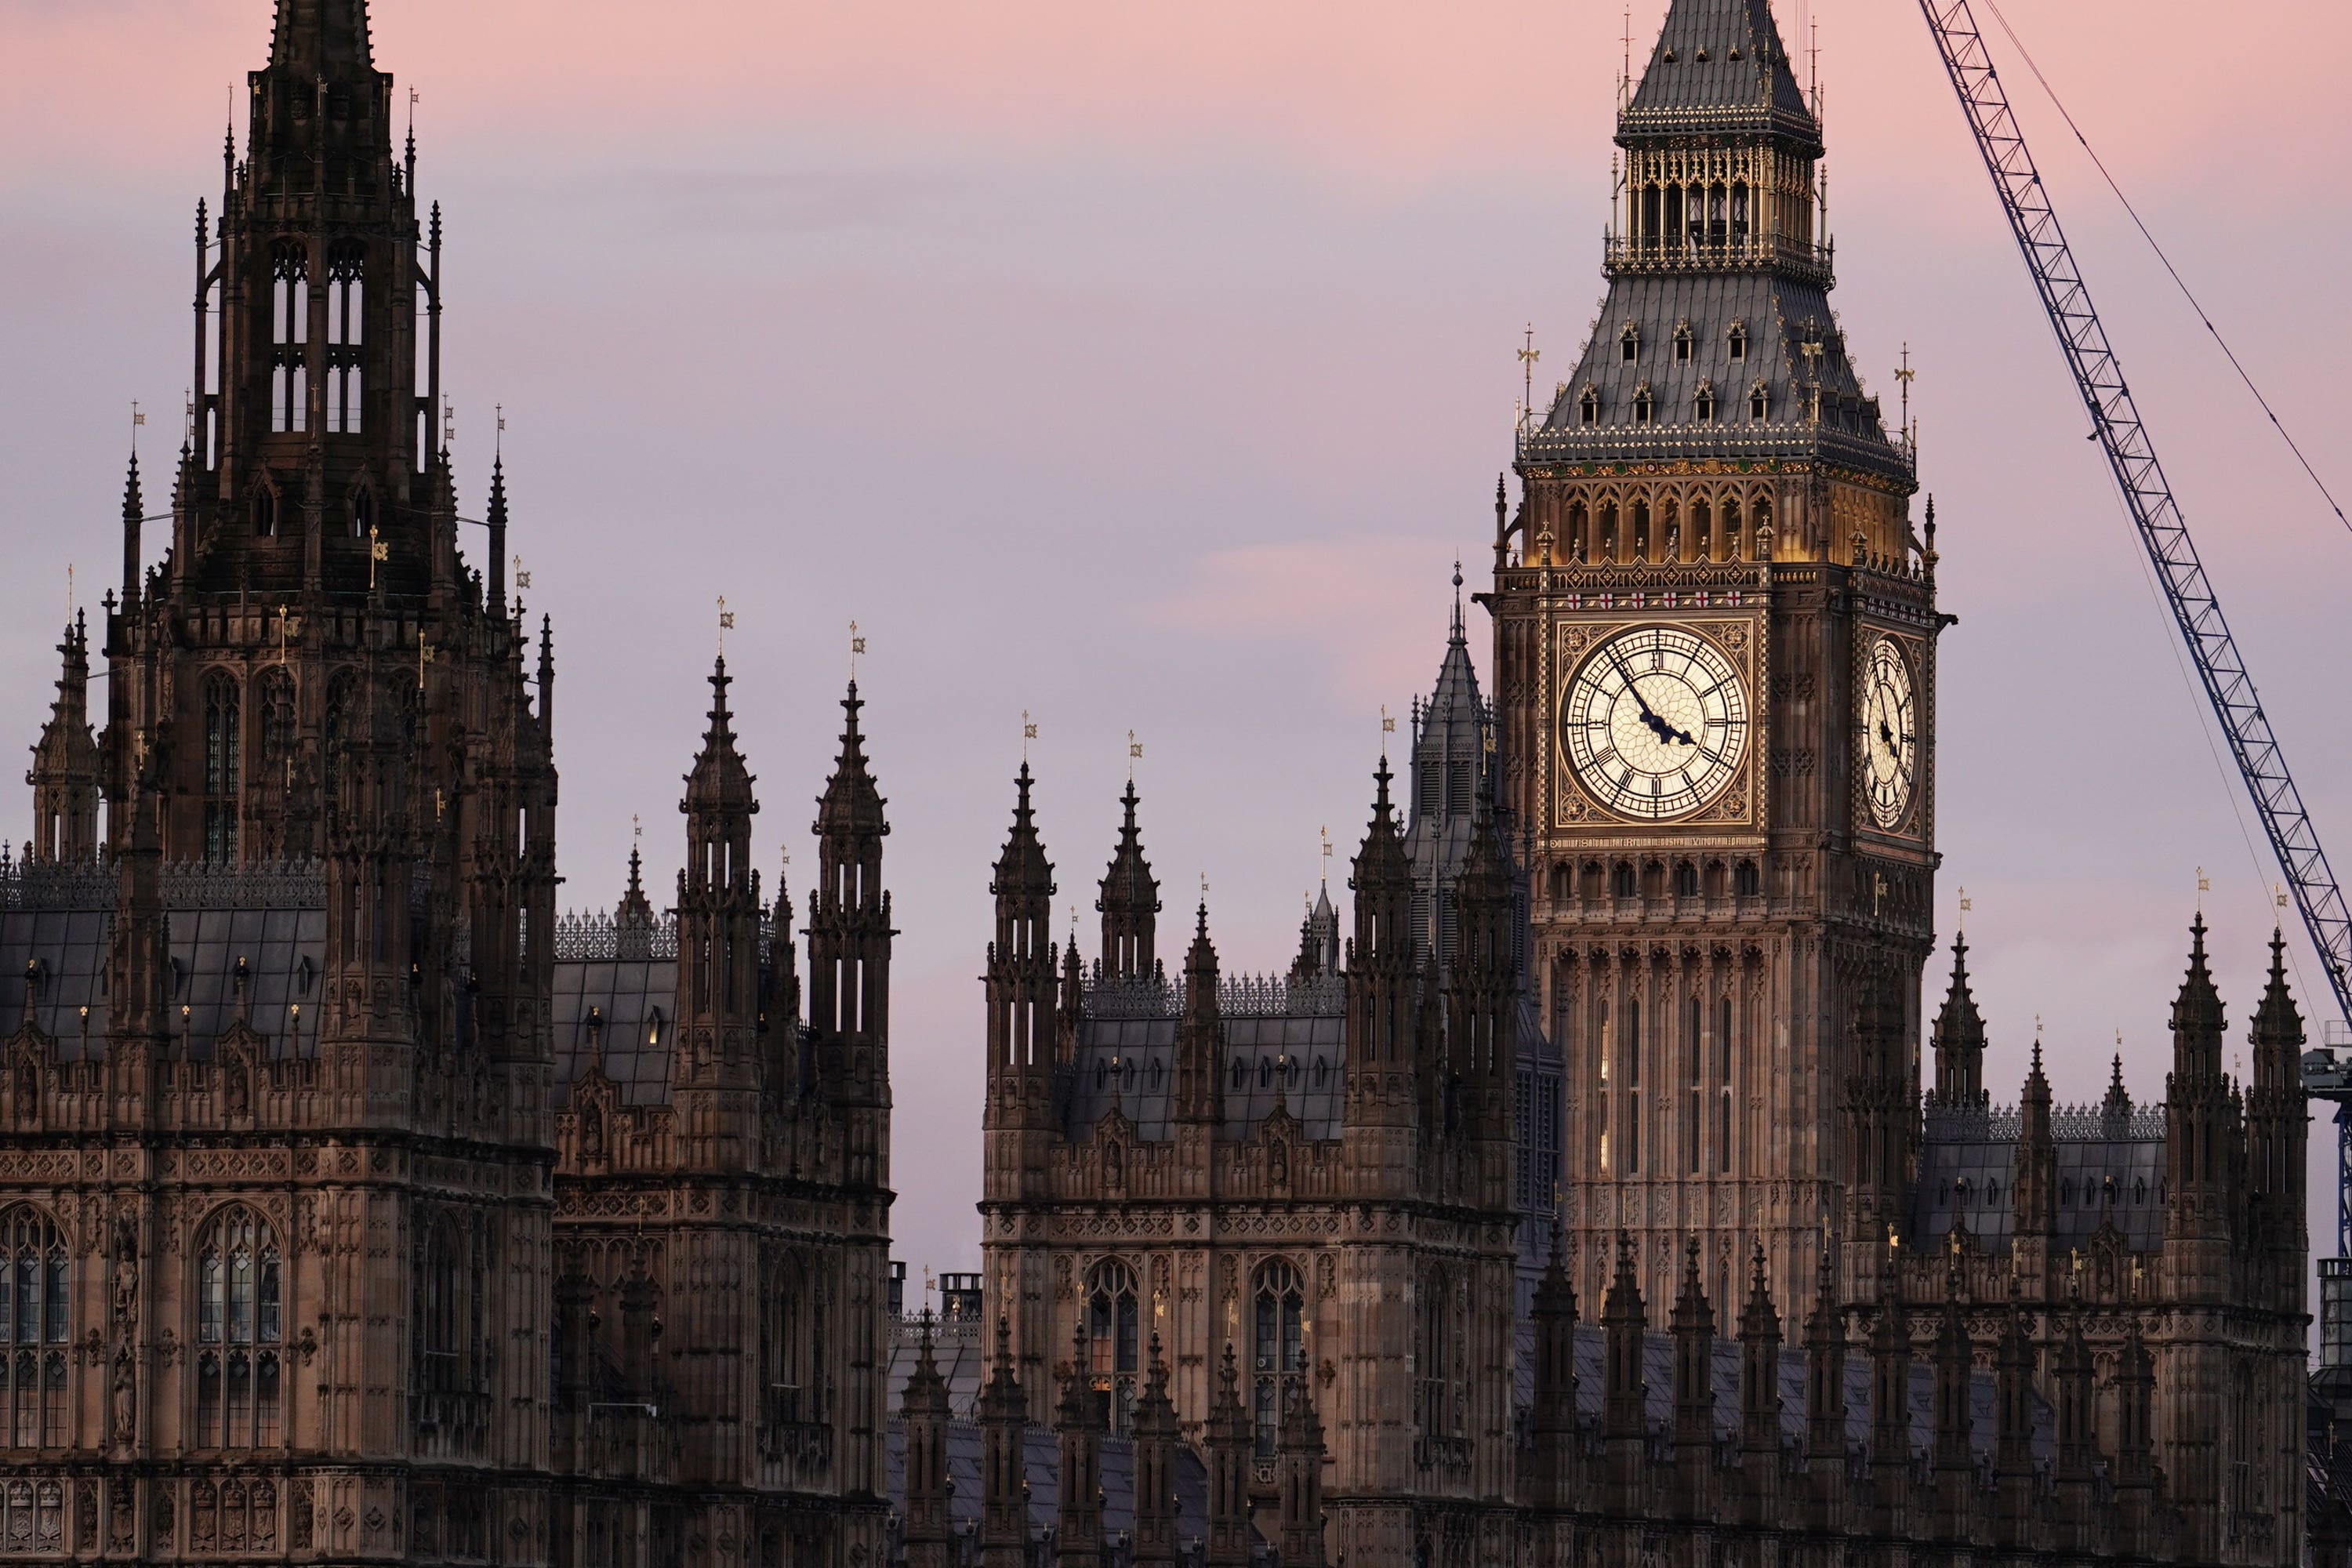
1718,67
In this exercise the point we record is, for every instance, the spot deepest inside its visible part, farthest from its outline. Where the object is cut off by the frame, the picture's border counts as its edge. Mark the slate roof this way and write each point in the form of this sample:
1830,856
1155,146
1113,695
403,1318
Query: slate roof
1718,68
60,919
2110,1169
1779,313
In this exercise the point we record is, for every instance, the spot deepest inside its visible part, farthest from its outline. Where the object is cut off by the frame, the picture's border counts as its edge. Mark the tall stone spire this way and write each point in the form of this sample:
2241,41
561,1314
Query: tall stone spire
1960,1039
1004,1460
1022,1004
715,1068
1382,965
66,764
1129,903
1200,1038
849,947
924,1417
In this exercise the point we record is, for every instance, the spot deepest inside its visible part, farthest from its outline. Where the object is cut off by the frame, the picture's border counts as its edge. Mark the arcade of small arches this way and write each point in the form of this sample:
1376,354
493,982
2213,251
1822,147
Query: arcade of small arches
1686,202
1651,882
1273,1321
1623,524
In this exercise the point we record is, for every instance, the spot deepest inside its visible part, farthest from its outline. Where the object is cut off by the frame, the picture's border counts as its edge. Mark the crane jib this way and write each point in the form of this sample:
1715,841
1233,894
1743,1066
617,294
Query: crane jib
2116,425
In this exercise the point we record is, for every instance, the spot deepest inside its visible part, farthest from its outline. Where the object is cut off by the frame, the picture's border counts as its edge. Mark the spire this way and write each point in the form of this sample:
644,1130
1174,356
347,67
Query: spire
924,1415
133,512
851,807
1959,1038
2034,1190
1128,901
637,911
719,783
2278,1037
1760,1363
66,763
1624,1388
1004,1460
1155,1440
1021,867
1693,1327
1201,1033
320,39
2198,1019
495,520
1718,69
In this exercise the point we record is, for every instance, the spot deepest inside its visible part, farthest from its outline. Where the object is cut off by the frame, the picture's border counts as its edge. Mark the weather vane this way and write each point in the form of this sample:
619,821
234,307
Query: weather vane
1028,733
497,442
137,419
1529,355
1134,754
856,646
1904,372
2204,886
1326,832
726,625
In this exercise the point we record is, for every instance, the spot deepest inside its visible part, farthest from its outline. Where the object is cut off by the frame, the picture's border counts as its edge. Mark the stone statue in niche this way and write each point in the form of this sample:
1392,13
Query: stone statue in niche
125,1399
126,1274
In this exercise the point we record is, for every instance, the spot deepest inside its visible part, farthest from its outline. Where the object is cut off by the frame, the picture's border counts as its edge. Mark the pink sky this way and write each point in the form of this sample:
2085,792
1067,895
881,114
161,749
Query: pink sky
1146,367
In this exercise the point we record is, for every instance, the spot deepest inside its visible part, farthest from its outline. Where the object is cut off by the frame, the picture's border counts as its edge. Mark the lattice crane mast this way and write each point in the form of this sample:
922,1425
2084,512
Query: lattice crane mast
2116,421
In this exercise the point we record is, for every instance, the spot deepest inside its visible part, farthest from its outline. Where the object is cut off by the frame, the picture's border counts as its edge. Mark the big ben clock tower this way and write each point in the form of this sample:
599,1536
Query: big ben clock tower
1715,633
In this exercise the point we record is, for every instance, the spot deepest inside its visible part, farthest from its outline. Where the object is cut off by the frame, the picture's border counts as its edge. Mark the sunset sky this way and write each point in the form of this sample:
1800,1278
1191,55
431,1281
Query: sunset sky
1147,367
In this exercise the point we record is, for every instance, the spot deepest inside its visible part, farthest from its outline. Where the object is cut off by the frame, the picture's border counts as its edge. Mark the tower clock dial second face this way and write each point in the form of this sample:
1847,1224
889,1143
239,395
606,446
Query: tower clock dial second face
1655,723
1890,727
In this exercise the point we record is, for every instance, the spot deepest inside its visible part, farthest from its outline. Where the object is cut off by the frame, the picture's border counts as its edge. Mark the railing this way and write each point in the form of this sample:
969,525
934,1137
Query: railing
2068,1124
1636,253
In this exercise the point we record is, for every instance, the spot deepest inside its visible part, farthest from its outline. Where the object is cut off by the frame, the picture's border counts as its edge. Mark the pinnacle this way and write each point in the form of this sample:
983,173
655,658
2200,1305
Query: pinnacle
851,805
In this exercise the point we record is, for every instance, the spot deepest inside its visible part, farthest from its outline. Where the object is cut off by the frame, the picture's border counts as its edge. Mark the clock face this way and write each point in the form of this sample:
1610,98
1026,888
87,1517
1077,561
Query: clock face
1890,727
1655,723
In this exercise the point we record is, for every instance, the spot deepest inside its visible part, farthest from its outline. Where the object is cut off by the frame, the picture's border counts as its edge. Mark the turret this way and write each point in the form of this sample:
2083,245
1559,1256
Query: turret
1955,1419
714,1071
924,1415
1624,1391
1759,1394
1129,903
1078,1425
1890,1399
2277,1117
2203,1149
849,955
2012,1431
1200,1040
1299,1478
1004,1460
1960,1039
1382,965
2033,1191
1693,1327
66,764
1552,1421
1882,1108
1227,1446
1825,1402
1021,987
1319,941
1482,985
1157,1442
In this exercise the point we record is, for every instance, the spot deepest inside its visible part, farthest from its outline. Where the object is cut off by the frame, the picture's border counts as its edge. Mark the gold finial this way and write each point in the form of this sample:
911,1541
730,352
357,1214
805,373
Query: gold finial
522,578
2278,896
726,625
1877,894
1967,904
377,551
1327,855
1205,888
857,647
424,652
928,1285
1028,733
1529,355
498,441
2204,886
1134,754
1894,1242
448,421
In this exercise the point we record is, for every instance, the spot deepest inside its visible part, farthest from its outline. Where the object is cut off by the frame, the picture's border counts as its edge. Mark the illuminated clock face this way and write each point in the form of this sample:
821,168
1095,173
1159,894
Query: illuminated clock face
1655,723
1890,728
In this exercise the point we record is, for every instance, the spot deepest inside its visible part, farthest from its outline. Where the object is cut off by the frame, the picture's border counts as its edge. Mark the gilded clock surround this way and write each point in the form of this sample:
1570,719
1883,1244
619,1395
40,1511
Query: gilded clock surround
1726,802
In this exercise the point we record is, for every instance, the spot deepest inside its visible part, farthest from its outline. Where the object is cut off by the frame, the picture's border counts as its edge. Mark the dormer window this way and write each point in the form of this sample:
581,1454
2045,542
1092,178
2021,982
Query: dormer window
1705,406
1629,345
1758,405
264,512
1588,406
1646,404
1682,342
1739,340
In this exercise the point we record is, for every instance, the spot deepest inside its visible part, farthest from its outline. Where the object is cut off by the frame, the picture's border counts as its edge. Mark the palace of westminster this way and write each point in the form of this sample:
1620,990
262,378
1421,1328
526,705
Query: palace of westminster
1595,1190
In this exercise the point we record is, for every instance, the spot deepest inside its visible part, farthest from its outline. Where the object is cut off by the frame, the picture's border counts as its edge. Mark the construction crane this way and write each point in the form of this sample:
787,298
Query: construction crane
2116,423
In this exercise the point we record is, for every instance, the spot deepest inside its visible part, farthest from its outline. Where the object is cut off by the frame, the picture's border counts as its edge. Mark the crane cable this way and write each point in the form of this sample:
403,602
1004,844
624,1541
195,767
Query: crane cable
2180,282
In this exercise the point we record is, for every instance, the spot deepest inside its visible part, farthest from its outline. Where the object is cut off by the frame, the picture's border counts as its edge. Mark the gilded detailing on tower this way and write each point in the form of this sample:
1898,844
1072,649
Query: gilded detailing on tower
1713,621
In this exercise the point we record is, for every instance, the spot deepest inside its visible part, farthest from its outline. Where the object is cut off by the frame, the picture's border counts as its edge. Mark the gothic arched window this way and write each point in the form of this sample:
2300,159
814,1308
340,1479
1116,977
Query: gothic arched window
290,321
1588,407
363,512
1736,340
346,313
1705,406
239,1319
449,1311
1757,400
1277,1346
1629,345
264,512
224,724
1432,1386
336,736
1682,342
1112,1326
1646,404
34,1325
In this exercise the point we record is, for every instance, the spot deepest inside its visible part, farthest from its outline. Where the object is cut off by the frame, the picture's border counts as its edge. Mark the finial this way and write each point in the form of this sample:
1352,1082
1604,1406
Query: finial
1028,733
726,625
857,647
1457,598
498,440
1134,754
1959,926
1388,728
1326,832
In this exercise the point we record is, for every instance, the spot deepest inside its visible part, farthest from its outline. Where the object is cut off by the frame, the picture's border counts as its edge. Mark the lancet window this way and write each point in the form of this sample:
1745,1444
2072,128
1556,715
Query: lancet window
1277,1346
239,1330
35,1323
224,723
1112,1329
